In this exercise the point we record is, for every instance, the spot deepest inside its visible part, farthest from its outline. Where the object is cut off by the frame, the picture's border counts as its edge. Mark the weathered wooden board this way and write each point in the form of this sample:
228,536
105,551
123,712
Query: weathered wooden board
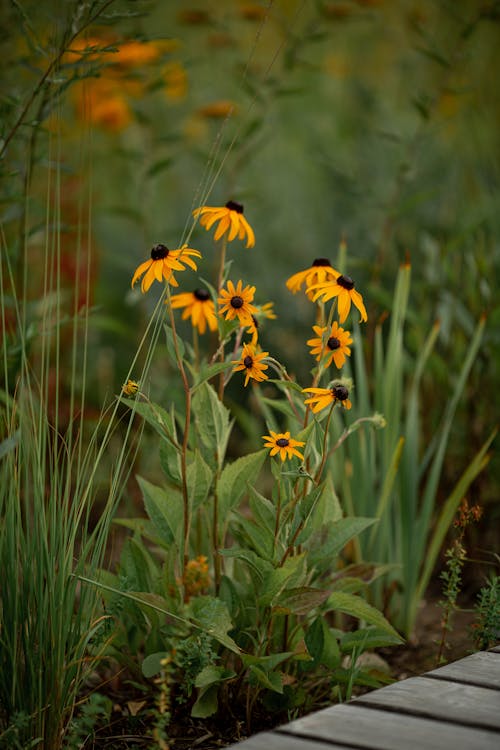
374,729
275,741
496,650
482,669
439,699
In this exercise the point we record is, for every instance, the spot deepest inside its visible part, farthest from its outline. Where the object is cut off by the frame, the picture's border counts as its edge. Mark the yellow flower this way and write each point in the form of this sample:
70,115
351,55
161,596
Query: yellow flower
335,347
175,80
236,302
231,220
130,388
218,110
198,306
163,263
134,53
100,102
282,443
252,363
323,397
343,288
320,271
196,576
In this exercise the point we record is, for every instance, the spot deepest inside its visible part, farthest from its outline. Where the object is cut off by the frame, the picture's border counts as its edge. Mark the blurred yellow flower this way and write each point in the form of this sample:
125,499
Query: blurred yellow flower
163,263
175,77
323,397
198,306
320,270
343,288
130,388
230,219
218,110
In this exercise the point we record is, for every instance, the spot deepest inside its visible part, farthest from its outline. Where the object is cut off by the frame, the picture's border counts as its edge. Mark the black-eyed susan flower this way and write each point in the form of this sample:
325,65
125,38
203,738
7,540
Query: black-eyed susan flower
130,388
163,263
343,288
230,219
323,397
333,346
251,362
198,306
321,270
236,302
282,443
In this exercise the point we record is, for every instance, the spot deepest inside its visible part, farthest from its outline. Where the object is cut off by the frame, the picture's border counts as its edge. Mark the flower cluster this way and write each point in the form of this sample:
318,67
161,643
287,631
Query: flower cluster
231,307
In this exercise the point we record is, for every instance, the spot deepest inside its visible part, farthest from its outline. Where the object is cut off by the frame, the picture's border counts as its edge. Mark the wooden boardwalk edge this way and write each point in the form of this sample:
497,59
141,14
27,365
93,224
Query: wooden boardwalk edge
456,706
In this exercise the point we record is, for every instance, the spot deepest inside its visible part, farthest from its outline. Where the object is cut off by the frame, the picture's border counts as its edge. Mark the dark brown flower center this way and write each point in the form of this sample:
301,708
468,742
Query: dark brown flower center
159,252
237,302
321,262
248,361
282,442
340,393
233,206
333,343
201,294
345,282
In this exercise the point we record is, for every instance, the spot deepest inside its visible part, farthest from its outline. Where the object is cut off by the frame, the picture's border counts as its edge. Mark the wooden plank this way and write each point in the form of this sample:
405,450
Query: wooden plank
375,729
439,699
495,650
481,669
275,741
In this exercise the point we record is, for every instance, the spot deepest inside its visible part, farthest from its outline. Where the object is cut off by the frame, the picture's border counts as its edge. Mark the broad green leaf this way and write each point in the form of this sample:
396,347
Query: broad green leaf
291,572
211,674
271,680
326,544
170,462
234,478
266,662
212,614
165,509
154,415
322,644
300,600
199,480
257,564
206,704
212,424
354,606
367,639
254,535
152,664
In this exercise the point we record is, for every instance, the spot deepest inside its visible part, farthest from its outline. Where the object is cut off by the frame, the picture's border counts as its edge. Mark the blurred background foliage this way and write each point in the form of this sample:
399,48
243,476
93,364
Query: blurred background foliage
371,121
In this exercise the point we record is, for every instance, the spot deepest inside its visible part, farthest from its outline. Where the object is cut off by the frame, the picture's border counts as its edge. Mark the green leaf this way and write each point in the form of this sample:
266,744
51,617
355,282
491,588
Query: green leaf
233,480
212,614
322,644
212,424
170,462
367,639
259,565
199,479
291,571
271,681
151,665
207,702
165,509
211,674
326,544
354,606
300,600
154,415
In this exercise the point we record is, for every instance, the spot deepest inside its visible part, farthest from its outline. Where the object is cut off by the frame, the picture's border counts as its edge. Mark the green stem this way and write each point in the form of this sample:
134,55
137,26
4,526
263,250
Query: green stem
185,439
